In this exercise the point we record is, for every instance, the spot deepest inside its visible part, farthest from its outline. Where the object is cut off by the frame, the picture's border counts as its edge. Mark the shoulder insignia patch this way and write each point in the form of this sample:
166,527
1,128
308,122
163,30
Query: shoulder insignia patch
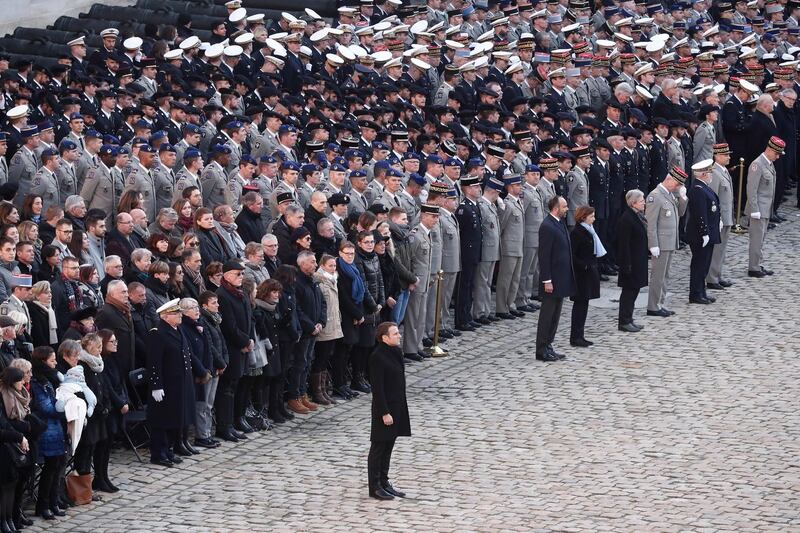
650,199
753,167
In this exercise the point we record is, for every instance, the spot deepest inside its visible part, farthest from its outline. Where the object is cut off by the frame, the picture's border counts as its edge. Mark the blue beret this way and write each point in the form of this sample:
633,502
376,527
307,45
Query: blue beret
108,149
353,153
393,160
3,137
410,156
75,116
533,168
290,165
123,150
416,178
233,125
67,145
160,134
267,159
382,165
247,159
333,147
110,139
220,149
338,167
358,174
92,134
166,147
148,149
45,125
191,152
394,173
309,168
142,124
49,152
452,162
377,145
436,159
475,162
190,128
339,160
285,128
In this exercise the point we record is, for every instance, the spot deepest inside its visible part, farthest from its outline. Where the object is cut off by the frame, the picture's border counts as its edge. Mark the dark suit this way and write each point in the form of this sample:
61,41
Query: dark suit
587,279
703,219
632,261
555,266
469,224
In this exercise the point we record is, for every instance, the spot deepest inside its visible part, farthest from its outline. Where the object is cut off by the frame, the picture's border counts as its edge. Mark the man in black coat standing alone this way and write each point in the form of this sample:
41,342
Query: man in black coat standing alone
556,275
237,329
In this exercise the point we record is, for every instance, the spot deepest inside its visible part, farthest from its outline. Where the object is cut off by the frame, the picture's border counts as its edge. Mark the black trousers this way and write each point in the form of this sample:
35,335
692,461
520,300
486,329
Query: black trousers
224,401
323,353
627,299
161,443
83,457
549,315
580,308
466,282
698,268
380,456
339,362
50,482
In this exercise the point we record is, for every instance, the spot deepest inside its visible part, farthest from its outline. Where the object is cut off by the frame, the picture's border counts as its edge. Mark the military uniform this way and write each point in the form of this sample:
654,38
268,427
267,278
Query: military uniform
183,180
468,216
101,191
451,262
45,184
702,233
67,180
577,193
281,187
23,168
265,144
534,211
140,179
703,142
164,179
662,211
436,265
234,190
414,323
760,193
512,229
214,185
490,254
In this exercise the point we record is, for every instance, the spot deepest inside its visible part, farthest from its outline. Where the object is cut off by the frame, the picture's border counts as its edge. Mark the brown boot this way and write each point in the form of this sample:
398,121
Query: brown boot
323,381
296,405
316,390
308,404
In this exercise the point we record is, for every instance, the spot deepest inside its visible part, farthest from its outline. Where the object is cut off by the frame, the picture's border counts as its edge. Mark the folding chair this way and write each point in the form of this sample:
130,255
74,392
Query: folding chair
136,418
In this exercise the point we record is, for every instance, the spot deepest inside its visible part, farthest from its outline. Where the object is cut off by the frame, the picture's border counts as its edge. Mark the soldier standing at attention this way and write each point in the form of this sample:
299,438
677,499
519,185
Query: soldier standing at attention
512,228
490,252
213,180
451,259
760,193
138,178
722,184
45,182
468,215
578,182
534,210
421,245
702,230
663,212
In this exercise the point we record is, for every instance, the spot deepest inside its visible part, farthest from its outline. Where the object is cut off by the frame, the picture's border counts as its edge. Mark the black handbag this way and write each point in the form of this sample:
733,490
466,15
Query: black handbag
19,458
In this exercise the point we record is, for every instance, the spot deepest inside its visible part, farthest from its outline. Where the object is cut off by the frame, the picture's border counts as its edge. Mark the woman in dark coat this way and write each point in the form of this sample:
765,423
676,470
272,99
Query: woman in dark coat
288,334
9,473
352,294
52,442
116,393
212,246
202,368
270,320
389,409
631,257
586,249
170,363
369,266
210,319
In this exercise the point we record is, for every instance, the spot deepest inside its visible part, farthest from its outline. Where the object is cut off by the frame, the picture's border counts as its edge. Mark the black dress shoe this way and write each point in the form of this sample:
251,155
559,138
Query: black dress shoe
483,320
444,334
24,520
204,443
668,311
506,316
725,283
181,450
630,328
454,333
772,225
475,325
175,459
424,354
393,491
427,342
704,301
767,272
493,318
711,299
57,511
380,494
756,274
242,425
412,356
517,313
715,286
160,462
238,434
227,436
660,312
47,514
532,307
580,342
192,449
546,357
465,327
775,219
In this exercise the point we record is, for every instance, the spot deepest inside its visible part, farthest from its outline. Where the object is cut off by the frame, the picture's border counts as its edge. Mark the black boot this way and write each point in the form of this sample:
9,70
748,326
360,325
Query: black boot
242,425
180,449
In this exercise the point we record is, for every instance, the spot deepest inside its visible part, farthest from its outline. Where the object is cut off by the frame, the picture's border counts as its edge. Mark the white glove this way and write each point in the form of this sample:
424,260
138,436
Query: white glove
158,394
706,238
655,251
720,225
756,215
682,191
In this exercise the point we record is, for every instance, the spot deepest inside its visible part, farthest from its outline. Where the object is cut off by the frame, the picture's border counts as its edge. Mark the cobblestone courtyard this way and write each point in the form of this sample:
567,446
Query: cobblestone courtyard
689,425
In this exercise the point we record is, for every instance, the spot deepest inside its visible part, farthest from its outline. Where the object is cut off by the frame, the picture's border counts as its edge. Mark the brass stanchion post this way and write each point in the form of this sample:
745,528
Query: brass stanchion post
435,350
737,228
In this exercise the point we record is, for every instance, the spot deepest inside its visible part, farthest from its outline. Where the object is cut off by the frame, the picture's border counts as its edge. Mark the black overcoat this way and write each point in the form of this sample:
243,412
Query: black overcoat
631,250
237,328
387,377
109,317
169,359
584,263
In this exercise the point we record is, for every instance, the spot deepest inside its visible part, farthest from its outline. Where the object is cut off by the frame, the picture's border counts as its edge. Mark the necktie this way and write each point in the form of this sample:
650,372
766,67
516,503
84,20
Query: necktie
396,201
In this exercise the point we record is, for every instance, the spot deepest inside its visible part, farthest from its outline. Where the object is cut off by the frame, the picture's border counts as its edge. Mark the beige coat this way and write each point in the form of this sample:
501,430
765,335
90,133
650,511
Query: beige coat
333,324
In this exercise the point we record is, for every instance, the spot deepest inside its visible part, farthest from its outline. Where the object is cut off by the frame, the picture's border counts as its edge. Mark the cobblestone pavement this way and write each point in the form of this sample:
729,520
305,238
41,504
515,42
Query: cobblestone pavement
689,425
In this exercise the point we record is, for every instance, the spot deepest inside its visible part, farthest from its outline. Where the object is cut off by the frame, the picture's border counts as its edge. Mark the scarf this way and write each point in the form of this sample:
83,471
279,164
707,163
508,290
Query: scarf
599,250
359,288
72,290
95,362
269,306
52,324
16,402
333,277
74,324
43,374
122,307
195,278
185,223
216,318
236,291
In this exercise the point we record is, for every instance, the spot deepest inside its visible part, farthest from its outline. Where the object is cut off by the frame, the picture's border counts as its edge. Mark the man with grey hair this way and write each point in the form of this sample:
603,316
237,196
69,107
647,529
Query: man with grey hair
254,268
705,134
140,221
293,217
112,271
165,223
75,211
269,243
